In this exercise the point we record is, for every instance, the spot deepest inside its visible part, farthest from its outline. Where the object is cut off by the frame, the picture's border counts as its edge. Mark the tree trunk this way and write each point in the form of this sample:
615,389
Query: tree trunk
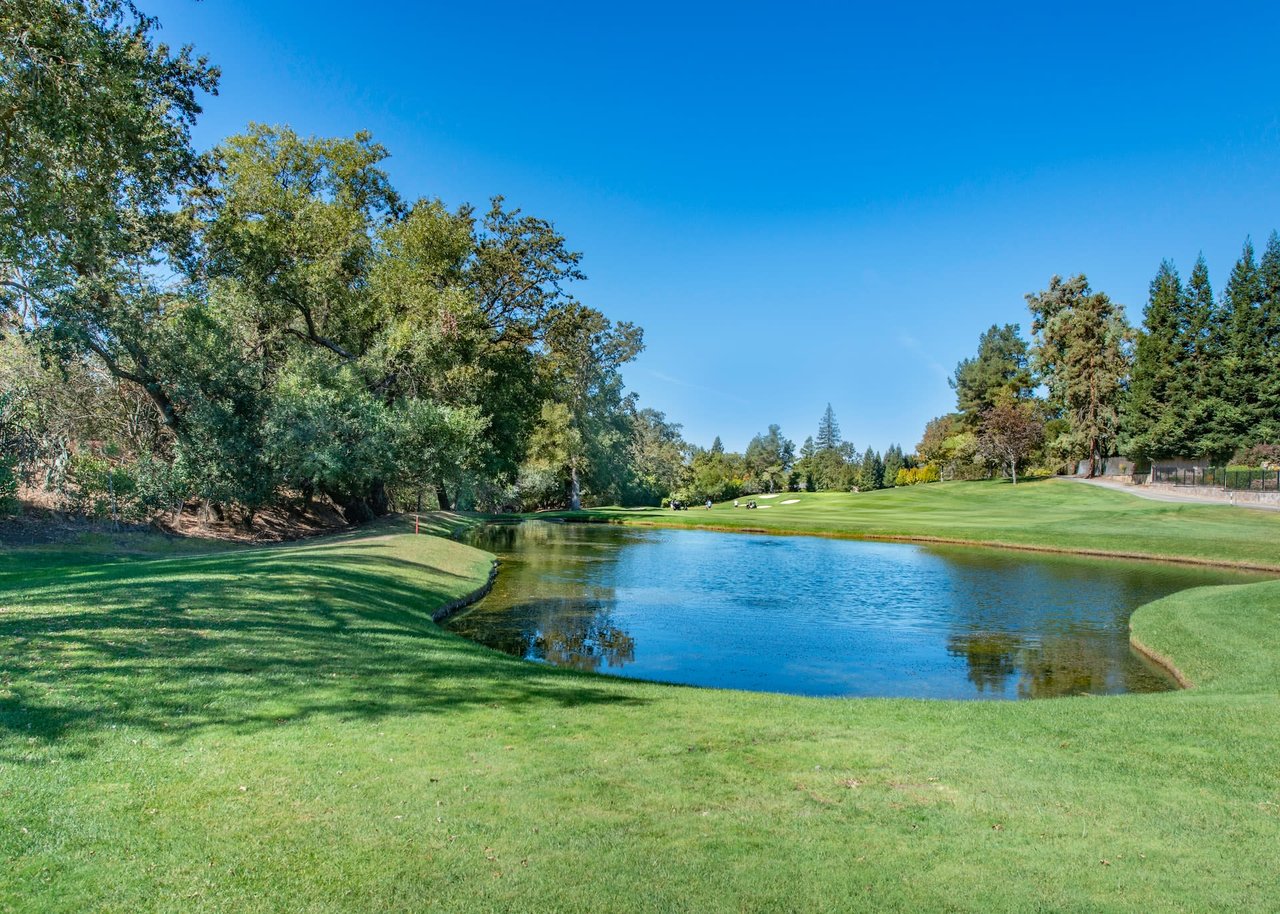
379,501
575,490
442,497
355,510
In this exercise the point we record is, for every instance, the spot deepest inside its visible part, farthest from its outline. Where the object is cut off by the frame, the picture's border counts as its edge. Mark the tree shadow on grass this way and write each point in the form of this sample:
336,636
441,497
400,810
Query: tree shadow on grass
249,640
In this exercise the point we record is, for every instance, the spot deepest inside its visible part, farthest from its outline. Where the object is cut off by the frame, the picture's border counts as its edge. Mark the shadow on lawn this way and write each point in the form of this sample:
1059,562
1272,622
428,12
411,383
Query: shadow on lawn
247,641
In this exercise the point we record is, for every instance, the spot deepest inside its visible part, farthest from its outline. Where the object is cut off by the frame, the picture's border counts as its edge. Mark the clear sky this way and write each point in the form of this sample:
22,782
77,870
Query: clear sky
800,203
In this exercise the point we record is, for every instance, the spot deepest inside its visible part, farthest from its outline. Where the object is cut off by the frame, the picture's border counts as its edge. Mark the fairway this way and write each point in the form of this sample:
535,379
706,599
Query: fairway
1054,514
284,729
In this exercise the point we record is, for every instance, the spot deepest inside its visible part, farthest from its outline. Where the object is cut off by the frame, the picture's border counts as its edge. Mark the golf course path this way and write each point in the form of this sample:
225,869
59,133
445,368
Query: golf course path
1139,492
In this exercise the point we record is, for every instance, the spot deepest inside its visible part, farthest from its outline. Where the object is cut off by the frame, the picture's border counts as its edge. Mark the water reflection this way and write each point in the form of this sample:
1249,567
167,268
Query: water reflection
1091,662
576,633
816,616
992,657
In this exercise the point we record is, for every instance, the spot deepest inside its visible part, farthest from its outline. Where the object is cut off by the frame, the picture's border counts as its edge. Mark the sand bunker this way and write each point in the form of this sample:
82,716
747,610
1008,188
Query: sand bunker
790,501
774,495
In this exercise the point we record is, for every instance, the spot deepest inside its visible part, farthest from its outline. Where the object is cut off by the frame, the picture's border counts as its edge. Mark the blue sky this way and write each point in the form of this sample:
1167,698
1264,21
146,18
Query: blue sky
800,203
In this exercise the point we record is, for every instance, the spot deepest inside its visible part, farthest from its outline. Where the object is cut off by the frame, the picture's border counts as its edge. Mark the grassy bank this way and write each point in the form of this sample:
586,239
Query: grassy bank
1050,513
283,729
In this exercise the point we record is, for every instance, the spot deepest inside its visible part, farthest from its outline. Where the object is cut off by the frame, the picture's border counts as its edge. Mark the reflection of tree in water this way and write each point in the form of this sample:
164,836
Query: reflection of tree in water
1065,666
1045,669
576,633
505,538
991,656
582,640
557,562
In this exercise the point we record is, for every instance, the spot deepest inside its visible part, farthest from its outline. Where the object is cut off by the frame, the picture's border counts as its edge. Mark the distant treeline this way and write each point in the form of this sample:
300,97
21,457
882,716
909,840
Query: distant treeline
1199,380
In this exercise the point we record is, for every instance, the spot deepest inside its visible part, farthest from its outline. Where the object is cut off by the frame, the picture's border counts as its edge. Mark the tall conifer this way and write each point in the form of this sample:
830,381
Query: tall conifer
893,462
1268,429
828,437
1082,352
1154,416
1246,351
1212,419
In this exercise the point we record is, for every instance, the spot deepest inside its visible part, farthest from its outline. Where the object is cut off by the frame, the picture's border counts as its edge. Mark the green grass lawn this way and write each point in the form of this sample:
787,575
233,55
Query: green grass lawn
1049,513
284,729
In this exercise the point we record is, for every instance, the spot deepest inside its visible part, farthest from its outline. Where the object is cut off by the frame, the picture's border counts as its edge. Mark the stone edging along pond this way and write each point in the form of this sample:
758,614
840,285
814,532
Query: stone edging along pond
444,612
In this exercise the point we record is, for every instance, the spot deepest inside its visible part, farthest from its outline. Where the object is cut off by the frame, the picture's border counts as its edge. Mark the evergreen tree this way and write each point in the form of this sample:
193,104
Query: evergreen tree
870,472
1211,418
1000,371
717,446
1246,357
1155,410
1268,428
893,462
1082,355
828,437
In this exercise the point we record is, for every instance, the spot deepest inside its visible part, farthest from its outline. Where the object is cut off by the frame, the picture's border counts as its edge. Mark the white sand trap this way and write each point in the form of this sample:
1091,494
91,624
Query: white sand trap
774,495
762,507
790,501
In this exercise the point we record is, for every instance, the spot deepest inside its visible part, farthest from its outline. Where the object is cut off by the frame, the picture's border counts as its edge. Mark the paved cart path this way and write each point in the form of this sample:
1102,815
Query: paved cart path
1161,495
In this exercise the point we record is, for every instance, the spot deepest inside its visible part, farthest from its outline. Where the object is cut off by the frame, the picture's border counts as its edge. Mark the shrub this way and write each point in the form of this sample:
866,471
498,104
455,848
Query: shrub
98,488
917,475
8,484
1266,456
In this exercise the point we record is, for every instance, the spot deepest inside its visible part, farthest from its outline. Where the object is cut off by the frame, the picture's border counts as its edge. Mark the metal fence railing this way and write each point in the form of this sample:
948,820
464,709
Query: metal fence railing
1239,478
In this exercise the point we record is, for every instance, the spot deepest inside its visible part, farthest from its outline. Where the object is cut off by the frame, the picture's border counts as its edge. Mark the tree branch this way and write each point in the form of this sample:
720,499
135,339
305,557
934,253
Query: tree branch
152,388
313,337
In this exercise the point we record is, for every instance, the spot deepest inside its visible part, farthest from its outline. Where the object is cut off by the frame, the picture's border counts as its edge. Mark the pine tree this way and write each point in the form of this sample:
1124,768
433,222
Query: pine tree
1000,371
870,472
828,437
1154,416
1211,419
717,446
1268,428
1082,354
1246,357
893,462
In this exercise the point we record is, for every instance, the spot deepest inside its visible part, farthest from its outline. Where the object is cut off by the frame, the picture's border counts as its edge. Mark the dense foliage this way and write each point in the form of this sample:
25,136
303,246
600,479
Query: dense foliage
1200,380
1206,377
271,322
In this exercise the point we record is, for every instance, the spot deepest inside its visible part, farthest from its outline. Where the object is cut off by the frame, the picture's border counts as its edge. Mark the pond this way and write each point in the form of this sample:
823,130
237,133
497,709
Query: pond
815,616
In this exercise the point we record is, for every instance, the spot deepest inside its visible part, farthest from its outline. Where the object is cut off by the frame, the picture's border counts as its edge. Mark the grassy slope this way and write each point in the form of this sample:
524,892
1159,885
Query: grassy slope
283,729
1052,513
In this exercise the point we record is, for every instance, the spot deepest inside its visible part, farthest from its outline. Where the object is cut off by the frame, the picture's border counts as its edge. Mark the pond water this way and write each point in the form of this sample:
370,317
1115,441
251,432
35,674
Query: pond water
815,616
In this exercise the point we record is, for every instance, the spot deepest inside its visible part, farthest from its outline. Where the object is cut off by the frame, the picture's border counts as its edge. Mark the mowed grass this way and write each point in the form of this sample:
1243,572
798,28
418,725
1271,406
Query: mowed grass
1047,513
284,729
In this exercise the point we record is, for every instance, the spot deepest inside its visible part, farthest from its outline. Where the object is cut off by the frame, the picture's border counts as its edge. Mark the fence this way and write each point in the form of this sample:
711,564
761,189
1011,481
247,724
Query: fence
1249,479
